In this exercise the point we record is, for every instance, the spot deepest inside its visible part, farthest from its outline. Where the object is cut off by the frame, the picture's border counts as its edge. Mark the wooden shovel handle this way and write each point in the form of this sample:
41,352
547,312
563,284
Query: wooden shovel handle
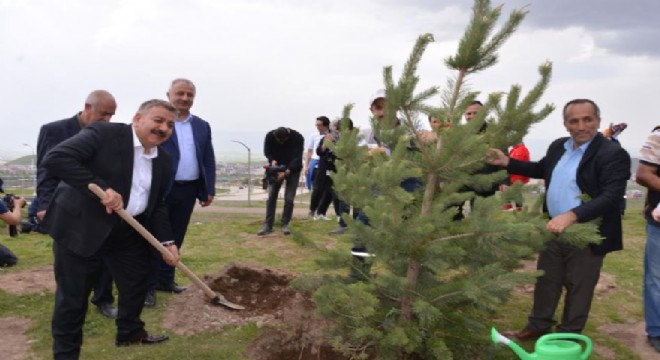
154,242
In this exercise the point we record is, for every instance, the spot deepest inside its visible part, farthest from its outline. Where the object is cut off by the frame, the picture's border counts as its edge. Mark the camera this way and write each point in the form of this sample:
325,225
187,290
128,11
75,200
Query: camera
31,224
270,174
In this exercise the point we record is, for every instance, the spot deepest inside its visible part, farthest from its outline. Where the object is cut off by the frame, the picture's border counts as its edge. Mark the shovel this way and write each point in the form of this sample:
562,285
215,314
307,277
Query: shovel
213,297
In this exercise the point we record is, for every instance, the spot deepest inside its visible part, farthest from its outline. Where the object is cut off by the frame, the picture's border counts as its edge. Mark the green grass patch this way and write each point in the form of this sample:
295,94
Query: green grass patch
215,240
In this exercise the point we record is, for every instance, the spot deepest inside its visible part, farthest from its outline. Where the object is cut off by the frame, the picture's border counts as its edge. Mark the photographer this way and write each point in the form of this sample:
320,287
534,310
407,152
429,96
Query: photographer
10,213
283,147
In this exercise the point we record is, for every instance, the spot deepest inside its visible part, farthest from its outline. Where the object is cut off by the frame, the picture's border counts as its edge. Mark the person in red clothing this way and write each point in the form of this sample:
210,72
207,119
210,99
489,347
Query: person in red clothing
518,152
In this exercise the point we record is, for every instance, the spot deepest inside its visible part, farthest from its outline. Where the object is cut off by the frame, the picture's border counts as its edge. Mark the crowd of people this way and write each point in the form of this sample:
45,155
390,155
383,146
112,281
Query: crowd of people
160,165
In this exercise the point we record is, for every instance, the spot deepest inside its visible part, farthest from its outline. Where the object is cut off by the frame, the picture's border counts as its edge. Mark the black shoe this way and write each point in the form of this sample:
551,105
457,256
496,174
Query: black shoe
108,310
655,342
265,231
171,287
150,300
142,339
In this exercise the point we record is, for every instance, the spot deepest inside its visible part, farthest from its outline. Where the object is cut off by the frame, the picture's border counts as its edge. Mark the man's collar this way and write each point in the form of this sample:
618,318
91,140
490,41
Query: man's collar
137,144
569,145
187,119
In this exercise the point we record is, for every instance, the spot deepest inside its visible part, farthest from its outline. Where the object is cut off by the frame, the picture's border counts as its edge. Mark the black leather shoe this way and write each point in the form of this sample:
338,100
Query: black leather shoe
655,342
171,287
108,310
524,334
142,339
150,300
265,231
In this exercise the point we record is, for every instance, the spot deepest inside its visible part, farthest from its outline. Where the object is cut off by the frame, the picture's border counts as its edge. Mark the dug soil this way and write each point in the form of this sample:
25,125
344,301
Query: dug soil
293,330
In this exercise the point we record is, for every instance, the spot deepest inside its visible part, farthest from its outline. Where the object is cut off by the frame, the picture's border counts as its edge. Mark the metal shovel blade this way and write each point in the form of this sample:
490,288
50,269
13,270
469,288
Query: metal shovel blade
221,300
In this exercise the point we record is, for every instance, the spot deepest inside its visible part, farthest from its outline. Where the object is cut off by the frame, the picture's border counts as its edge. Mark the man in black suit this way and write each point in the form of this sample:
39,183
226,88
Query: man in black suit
100,105
584,163
127,163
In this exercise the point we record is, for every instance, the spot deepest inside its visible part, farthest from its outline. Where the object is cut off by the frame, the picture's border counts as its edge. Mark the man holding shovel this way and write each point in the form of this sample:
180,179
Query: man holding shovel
127,163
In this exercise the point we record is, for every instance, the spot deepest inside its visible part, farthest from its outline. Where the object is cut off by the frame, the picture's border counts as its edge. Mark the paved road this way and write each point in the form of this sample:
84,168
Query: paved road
236,194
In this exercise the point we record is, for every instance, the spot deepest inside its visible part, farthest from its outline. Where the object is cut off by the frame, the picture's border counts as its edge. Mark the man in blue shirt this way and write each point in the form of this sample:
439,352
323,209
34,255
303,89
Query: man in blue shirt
584,163
193,177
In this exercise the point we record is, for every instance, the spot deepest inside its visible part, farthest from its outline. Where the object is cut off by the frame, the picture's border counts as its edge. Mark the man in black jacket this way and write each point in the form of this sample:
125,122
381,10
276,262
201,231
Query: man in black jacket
584,163
283,147
127,163
100,105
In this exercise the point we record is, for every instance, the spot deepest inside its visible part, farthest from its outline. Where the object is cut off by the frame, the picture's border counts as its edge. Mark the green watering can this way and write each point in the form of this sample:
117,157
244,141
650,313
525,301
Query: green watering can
557,346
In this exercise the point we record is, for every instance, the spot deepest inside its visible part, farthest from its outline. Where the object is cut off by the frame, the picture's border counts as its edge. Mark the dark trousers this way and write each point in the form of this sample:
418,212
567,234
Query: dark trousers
322,193
289,196
103,286
180,204
569,267
343,209
127,255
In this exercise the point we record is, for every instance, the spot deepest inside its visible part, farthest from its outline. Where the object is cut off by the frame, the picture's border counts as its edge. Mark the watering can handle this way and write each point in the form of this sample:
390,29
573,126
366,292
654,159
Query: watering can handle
560,336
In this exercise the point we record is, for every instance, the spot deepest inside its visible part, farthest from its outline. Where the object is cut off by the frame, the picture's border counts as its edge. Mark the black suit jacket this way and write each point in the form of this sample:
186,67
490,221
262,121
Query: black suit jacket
50,135
602,174
102,153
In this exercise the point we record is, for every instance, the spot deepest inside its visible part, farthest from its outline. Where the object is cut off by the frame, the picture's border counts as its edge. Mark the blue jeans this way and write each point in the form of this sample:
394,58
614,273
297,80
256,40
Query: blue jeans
310,173
652,280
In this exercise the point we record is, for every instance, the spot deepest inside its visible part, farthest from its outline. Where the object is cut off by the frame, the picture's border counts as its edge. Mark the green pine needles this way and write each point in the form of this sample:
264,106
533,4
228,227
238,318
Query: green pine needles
435,280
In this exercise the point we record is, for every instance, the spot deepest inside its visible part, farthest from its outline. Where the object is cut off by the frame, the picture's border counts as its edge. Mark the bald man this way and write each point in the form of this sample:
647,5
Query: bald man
100,105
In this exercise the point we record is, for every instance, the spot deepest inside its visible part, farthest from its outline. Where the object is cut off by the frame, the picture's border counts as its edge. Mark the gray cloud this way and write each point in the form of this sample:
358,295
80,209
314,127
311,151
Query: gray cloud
623,27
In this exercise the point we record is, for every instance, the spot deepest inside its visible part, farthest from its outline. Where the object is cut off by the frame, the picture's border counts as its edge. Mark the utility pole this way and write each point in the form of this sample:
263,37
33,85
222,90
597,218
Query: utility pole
33,166
249,171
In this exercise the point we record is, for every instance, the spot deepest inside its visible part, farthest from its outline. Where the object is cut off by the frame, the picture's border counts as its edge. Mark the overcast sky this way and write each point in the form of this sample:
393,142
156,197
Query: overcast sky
263,64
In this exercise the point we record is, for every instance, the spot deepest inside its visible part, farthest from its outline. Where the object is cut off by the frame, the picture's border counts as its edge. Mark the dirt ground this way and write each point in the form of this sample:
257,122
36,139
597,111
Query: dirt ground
14,343
32,281
294,330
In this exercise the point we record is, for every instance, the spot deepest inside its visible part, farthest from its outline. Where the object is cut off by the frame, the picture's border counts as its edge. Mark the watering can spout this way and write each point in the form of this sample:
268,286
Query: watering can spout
501,339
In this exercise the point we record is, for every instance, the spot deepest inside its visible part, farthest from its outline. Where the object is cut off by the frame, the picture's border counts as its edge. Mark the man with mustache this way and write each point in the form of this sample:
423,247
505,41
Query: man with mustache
100,105
586,176
126,162
193,176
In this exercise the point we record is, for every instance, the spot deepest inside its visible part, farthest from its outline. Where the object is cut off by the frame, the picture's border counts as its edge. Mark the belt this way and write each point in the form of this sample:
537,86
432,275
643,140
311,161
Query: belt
185,182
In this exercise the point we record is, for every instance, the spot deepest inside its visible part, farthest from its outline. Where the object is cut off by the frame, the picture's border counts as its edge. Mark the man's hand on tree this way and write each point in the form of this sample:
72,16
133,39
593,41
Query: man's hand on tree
497,157
561,222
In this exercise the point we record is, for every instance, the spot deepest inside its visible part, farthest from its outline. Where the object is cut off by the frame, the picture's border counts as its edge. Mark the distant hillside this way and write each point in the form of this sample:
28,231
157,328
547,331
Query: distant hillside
27,160
23,160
